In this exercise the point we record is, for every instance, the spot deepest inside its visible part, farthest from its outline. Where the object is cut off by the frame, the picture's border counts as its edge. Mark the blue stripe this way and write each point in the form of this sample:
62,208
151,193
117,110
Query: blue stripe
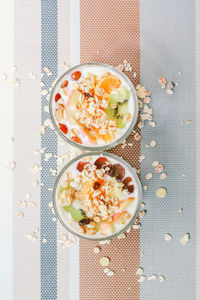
49,58
167,47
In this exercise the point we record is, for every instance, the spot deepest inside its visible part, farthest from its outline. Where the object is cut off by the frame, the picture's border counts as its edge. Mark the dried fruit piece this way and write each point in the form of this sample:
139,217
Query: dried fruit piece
76,75
57,97
64,84
101,162
84,222
161,192
81,165
104,261
96,185
117,171
63,128
76,139
131,188
127,180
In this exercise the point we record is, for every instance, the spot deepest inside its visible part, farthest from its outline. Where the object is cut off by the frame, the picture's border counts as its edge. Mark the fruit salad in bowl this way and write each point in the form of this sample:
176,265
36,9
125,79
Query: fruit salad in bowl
93,106
97,196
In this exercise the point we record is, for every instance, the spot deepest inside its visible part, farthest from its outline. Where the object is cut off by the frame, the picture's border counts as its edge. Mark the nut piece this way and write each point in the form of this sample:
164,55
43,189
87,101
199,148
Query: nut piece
104,261
161,192
168,237
185,239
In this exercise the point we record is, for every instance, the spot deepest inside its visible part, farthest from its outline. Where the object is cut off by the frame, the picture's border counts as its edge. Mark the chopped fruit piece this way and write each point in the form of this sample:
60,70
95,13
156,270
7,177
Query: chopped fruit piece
122,109
106,228
131,188
76,214
57,97
121,218
127,180
76,75
125,203
119,95
109,82
81,165
84,222
63,128
64,84
117,171
101,162
76,139
120,122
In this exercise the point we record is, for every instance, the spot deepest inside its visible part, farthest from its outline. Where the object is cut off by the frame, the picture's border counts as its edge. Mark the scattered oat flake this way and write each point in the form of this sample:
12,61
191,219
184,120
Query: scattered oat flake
35,183
141,157
35,168
171,85
97,250
159,169
104,261
152,124
11,165
153,277
48,155
28,196
185,239
16,82
188,122
163,176
169,92
139,271
162,81
32,204
54,219
161,192
153,143
143,205
142,278
110,273
4,76
106,270
147,100
44,92
162,278
20,214
168,237
104,242
44,240
46,108
145,187
180,210
149,176
155,163
23,204
47,122
142,213
121,236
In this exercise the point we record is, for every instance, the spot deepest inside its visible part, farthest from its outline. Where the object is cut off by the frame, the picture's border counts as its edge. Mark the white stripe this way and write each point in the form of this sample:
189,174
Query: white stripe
6,150
27,113
63,274
74,32
198,148
74,60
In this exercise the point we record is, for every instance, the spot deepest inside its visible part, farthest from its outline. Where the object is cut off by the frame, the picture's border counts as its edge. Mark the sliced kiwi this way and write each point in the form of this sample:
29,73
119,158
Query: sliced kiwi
122,109
77,214
119,95
120,122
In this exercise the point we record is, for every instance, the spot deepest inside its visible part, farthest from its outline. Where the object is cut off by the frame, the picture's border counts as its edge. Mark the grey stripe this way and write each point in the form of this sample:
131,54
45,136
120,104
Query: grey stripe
167,47
49,58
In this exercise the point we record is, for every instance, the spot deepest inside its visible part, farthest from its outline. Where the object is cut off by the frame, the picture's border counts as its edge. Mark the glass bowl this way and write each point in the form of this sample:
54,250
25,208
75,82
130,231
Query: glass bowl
134,105
61,215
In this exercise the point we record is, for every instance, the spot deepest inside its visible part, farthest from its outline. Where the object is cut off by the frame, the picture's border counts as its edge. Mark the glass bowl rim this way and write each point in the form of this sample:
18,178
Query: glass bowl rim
103,147
120,160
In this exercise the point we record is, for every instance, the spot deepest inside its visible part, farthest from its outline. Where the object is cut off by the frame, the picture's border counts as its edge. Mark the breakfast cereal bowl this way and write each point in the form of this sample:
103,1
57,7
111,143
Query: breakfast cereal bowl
97,196
93,106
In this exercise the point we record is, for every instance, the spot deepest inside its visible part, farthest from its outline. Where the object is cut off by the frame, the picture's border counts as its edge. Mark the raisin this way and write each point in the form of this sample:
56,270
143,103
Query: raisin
131,188
84,222
96,185
117,171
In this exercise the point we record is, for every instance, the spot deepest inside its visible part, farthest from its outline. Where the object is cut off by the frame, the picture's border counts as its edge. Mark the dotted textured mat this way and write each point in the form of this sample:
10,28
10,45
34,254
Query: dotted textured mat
110,33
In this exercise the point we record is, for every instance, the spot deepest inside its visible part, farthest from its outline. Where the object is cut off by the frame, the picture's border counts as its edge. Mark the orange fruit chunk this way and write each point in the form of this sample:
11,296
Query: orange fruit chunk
109,82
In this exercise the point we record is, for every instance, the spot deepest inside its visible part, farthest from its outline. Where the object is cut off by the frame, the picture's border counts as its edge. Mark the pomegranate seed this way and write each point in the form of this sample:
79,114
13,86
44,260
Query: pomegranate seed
76,139
57,97
81,164
76,75
64,84
63,128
